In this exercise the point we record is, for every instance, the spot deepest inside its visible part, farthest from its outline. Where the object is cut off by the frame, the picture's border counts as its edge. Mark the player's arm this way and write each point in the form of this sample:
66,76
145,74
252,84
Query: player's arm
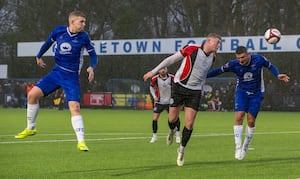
275,71
93,63
165,63
47,44
217,71
93,58
153,94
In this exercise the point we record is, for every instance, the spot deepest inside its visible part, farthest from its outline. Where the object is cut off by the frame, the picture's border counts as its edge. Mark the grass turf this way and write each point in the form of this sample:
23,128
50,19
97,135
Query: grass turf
119,147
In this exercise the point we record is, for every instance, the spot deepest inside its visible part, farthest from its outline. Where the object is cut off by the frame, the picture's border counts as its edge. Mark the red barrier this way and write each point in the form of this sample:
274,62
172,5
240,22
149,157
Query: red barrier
97,99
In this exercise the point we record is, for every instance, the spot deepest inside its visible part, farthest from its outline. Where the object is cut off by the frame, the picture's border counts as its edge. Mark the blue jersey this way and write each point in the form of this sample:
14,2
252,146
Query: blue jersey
69,48
68,58
250,77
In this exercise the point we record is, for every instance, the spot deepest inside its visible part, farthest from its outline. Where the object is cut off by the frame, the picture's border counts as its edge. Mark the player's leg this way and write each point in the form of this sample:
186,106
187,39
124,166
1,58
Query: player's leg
238,132
241,105
72,90
173,116
32,111
176,102
77,124
154,125
178,131
190,116
177,124
254,106
192,103
43,87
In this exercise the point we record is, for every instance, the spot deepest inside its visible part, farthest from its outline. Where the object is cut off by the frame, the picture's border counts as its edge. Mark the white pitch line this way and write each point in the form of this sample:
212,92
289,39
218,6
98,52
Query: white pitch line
87,134
125,138
72,140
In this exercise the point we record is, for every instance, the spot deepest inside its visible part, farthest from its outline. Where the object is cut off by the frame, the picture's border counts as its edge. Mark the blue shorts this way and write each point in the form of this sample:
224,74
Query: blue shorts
58,78
248,102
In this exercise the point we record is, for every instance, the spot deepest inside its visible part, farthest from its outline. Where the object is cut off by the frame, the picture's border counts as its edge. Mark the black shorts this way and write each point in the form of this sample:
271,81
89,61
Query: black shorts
183,96
158,108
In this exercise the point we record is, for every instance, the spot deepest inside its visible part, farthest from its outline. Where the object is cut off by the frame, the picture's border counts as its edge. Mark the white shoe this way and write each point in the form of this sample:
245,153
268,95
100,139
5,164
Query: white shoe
153,139
180,158
170,137
178,137
238,151
243,153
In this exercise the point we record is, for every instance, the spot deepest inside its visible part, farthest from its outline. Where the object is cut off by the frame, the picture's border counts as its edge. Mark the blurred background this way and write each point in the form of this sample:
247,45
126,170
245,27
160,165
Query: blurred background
118,79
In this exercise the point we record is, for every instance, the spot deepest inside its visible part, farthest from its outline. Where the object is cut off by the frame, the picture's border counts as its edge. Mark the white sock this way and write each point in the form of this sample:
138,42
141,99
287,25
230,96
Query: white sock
32,112
181,149
238,131
177,133
155,135
77,123
248,136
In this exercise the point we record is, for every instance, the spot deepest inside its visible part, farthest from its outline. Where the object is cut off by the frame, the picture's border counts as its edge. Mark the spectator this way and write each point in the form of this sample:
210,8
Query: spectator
295,88
215,102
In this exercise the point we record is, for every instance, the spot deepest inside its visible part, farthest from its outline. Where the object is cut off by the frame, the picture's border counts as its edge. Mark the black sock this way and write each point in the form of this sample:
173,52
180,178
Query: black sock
172,125
154,126
178,124
186,135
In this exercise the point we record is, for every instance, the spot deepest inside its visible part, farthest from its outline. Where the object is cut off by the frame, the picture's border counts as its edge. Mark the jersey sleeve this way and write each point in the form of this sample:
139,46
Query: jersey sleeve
153,86
270,66
91,51
224,68
47,44
168,61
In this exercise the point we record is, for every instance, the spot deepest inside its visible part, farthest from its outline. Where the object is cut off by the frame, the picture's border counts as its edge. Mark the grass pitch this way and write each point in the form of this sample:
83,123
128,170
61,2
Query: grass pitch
119,147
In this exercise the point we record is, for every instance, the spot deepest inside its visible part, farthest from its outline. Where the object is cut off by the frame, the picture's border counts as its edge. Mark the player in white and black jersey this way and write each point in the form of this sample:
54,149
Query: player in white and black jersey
188,83
160,90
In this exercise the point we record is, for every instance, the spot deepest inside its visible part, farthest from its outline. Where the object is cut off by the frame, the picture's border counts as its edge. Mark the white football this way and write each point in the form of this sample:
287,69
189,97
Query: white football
272,36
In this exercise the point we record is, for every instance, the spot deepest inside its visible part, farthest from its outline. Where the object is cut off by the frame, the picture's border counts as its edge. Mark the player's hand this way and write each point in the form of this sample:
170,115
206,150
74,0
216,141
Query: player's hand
147,76
90,71
40,62
283,77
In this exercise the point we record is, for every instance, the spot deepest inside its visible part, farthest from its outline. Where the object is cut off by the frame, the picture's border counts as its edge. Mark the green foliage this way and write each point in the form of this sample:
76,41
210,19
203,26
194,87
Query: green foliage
119,147
137,19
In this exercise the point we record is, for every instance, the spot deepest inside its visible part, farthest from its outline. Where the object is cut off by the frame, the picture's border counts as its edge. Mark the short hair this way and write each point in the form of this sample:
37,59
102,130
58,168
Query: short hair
241,49
214,35
77,13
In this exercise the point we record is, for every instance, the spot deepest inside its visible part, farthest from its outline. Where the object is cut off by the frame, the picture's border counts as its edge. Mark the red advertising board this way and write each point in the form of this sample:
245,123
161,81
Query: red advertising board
97,99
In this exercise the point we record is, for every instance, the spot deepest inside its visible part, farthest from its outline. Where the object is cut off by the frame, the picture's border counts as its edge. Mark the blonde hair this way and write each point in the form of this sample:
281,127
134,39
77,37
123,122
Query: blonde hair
77,13
214,35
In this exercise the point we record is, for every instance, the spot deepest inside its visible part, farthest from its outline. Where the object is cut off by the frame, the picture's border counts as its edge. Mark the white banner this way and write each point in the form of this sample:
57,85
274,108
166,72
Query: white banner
288,43
3,71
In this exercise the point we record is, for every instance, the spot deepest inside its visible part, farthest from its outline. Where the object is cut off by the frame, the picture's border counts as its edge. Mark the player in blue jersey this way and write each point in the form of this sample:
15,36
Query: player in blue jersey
70,41
248,69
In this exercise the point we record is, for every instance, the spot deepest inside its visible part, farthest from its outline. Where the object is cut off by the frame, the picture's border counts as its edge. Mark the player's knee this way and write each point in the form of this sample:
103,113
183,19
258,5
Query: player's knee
33,97
74,107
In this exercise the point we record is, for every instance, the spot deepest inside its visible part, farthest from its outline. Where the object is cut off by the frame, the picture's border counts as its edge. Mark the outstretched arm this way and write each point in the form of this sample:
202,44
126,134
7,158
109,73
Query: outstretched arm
275,72
165,63
214,72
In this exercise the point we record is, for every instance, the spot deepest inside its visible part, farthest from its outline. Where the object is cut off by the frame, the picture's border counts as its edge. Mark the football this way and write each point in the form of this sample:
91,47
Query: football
272,36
